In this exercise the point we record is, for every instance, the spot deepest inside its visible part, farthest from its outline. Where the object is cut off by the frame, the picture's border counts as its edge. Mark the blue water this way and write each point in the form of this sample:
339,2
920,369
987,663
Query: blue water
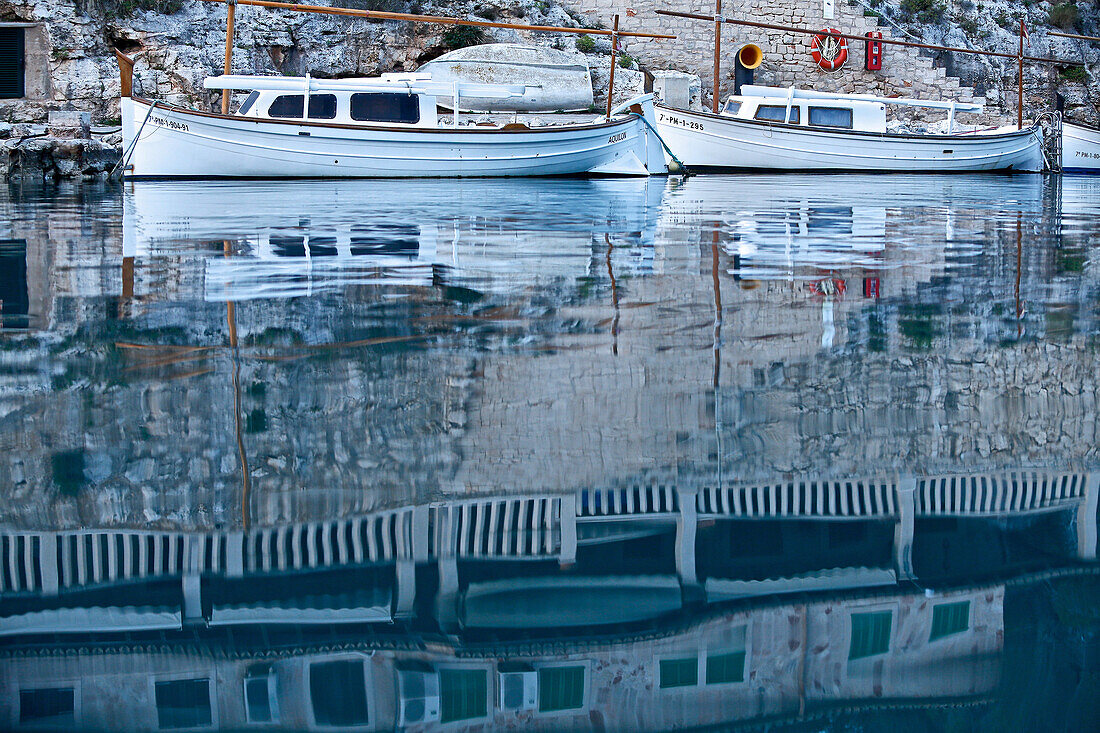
808,452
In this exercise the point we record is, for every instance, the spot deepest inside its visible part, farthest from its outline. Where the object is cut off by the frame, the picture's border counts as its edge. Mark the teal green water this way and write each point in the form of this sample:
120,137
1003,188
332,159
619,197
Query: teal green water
799,451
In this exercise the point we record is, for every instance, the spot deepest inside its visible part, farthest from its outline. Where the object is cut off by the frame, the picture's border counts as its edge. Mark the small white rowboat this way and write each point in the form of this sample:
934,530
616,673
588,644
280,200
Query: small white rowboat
1080,149
790,129
293,127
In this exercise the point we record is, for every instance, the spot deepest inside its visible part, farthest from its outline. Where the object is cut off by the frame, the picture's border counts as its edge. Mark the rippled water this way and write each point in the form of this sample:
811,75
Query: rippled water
799,451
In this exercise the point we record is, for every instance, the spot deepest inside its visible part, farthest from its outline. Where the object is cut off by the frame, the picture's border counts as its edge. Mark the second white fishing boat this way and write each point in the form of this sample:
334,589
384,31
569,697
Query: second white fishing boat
1080,148
773,128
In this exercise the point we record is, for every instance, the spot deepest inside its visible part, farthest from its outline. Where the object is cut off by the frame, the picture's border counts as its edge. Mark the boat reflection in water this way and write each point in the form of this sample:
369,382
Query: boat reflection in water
569,454
332,235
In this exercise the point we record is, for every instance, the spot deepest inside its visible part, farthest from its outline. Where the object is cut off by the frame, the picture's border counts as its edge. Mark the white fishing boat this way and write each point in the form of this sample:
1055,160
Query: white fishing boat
1080,148
793,129
299,127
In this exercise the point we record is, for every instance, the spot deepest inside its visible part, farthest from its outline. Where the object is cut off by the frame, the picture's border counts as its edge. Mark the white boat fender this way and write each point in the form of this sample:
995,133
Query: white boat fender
677,166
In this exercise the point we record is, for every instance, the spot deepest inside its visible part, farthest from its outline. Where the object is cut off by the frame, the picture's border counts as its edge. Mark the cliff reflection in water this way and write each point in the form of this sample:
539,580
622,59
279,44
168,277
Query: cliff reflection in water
619,454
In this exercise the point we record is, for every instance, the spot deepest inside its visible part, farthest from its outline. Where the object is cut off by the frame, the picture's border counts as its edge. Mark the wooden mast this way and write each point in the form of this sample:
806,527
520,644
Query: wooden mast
614,63
228,51
439,19
717,50
1020,81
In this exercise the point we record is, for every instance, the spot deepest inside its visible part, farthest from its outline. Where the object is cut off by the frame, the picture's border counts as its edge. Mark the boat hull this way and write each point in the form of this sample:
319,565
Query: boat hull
1080,149
172,142
701,139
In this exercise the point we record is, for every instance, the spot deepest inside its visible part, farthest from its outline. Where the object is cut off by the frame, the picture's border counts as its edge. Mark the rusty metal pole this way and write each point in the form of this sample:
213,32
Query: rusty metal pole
228,51
614,62
717,51
1020,81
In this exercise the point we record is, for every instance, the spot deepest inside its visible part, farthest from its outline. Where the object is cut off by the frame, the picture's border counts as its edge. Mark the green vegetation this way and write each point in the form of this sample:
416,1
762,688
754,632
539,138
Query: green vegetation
626,61
462,36
586,44
1078,74
126,8
1064,16
924,11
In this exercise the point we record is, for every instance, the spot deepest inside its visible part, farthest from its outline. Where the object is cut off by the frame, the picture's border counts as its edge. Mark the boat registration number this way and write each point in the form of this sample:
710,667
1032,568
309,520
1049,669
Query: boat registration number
170,124
1087,155
680,122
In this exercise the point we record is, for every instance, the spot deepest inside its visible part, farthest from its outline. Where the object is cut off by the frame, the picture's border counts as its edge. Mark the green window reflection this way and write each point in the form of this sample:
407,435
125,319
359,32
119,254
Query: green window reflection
561,688
949,618
870,634
463,694
679,672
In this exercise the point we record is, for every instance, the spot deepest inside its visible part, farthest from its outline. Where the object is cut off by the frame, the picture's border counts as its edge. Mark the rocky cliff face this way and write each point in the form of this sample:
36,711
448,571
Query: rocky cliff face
179,42
994,25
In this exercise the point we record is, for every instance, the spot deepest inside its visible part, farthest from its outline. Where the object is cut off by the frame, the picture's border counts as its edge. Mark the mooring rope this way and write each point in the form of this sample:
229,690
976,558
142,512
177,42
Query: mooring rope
121,164
681,168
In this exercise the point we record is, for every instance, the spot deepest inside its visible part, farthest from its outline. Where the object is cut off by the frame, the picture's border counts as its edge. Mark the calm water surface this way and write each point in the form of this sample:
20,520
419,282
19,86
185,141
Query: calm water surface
801,452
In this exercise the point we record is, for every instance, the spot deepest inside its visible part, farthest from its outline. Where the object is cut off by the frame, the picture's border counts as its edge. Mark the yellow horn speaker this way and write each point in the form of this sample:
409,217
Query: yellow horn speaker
750,56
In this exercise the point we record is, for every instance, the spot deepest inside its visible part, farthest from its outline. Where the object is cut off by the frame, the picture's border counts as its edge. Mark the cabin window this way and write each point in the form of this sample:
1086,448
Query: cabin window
287,105
679,672
775,113
322,106
48,707
183,704
870,634
950,618
731,108
463,694
385,107
561,688
12,61
248,102
831,117
338,691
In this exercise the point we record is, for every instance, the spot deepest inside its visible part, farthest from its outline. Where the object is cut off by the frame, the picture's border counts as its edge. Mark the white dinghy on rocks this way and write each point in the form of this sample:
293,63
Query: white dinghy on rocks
773,128
298,127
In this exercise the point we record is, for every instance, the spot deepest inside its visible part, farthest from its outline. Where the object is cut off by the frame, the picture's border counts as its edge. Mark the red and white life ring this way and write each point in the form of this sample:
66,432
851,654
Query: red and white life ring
830,287
829,52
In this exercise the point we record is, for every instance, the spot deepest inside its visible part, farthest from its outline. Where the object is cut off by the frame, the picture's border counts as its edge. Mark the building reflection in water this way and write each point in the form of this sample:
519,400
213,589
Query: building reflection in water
804,512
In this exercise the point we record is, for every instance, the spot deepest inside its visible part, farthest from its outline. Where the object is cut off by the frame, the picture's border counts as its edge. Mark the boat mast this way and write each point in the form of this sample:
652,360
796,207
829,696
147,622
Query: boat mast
228,50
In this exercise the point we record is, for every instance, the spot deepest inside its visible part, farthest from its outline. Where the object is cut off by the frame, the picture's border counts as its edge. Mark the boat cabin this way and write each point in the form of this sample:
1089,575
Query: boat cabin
399,107
408,100
846,114
810,108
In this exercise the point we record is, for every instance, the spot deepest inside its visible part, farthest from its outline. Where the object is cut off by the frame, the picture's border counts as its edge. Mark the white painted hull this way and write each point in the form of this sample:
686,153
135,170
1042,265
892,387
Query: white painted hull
181,143
706,140
1080,149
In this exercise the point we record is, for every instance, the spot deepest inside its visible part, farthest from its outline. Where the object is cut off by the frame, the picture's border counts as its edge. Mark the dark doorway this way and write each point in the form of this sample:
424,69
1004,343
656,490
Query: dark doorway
11,63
